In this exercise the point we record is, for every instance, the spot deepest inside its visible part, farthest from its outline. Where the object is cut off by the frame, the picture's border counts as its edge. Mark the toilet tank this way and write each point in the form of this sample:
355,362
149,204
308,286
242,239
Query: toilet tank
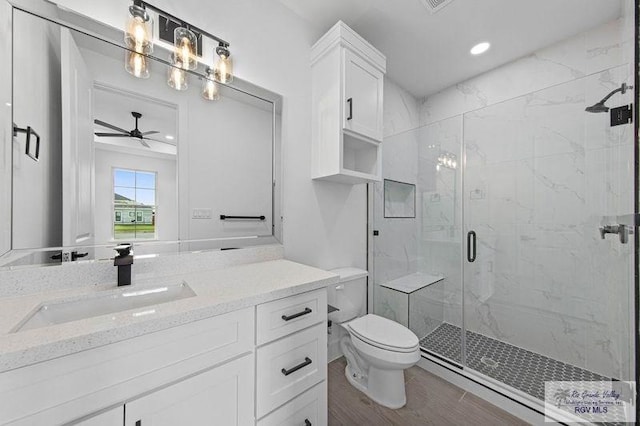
349,295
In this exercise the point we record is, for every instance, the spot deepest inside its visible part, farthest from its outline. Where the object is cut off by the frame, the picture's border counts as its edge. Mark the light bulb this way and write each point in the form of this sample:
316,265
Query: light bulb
136,64
224,66
138,35
177,75
185,43
210,89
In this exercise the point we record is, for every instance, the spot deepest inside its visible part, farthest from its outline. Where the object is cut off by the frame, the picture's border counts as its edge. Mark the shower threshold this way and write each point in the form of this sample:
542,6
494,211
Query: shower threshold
519,368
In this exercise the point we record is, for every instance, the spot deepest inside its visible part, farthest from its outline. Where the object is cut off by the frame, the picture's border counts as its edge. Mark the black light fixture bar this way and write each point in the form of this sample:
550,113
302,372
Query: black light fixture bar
145,5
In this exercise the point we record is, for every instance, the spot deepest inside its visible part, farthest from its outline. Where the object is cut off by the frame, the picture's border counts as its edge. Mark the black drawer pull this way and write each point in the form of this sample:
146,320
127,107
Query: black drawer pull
307,422
299,314
350,102
306,362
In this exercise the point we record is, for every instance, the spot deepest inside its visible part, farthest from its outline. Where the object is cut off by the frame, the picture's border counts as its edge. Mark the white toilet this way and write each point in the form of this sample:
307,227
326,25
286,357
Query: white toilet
377,350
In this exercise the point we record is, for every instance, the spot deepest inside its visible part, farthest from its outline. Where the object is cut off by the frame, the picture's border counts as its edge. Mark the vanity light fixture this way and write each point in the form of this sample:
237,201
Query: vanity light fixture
138,38
177,75
448,160
480,48
138,35
136,64
224,65
185,42
210,88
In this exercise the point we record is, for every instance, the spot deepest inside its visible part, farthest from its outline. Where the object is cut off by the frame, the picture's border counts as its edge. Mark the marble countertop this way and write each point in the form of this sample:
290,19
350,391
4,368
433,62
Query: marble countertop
217,292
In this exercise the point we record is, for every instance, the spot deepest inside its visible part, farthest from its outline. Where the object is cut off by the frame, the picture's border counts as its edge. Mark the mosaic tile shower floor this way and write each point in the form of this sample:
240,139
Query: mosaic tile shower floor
519,368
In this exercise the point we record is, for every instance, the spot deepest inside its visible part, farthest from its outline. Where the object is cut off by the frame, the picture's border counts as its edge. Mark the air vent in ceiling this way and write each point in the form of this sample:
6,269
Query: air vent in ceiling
434,6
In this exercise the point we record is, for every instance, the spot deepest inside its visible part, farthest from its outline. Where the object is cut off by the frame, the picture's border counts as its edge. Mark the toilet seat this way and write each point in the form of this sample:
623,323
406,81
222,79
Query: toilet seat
384,334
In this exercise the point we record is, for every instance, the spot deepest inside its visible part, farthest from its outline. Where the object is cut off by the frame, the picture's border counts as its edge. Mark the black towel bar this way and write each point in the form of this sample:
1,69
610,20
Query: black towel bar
225,217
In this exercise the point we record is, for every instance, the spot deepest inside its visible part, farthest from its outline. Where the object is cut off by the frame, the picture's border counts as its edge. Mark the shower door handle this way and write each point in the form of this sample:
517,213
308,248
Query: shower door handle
471,246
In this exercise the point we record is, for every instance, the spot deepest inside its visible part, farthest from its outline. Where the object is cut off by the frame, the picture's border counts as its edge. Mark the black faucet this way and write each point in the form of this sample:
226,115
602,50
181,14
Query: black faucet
123,261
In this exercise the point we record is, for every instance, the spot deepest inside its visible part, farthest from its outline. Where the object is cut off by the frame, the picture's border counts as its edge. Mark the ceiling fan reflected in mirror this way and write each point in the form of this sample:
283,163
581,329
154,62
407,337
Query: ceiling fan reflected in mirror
122,133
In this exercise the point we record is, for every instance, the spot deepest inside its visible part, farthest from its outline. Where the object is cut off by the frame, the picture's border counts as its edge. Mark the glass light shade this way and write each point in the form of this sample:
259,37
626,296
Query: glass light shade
177,75
138,34
224,66
136,64
210,89
186,43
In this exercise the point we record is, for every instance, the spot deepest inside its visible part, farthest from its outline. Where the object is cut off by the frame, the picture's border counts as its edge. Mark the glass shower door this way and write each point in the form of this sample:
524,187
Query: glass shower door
547,296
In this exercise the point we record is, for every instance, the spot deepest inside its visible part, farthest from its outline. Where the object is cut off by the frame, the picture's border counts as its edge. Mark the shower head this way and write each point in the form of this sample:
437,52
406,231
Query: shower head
600,106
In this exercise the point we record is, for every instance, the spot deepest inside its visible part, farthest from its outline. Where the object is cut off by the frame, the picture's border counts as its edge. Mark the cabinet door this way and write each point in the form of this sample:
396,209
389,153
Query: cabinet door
363,91
222,396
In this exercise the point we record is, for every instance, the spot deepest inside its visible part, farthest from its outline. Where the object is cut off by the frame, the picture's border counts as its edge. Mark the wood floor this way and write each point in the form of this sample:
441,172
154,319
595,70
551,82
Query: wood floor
430,401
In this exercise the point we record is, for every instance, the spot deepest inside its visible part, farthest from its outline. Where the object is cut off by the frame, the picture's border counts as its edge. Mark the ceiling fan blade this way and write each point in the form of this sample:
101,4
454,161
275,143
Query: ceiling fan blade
144,143
158,140
112,135
110,126
153,132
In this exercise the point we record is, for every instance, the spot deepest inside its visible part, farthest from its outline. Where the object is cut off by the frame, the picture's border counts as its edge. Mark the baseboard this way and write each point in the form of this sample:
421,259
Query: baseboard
457,377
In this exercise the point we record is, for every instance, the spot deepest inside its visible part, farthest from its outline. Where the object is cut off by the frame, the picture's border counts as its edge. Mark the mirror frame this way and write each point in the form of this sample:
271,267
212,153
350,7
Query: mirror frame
98,30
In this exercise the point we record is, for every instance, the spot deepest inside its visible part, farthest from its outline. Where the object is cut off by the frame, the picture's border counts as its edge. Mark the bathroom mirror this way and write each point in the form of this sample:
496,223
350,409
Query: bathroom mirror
99,157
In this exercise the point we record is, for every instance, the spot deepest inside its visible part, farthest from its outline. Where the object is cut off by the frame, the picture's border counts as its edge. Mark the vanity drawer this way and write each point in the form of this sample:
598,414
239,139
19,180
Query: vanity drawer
288,367
310,408
285,316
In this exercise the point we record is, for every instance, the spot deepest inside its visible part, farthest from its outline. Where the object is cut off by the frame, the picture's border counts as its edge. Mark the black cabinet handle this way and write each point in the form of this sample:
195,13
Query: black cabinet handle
471,246
307,422
29,131
306,362
299,314
350,102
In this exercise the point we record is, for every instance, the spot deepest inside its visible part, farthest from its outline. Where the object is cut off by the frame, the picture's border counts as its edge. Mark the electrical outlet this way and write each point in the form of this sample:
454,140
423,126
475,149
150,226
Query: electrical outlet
201,214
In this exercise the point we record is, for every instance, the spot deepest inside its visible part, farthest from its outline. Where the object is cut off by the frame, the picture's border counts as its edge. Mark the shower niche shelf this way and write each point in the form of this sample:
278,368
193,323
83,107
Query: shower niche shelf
347,96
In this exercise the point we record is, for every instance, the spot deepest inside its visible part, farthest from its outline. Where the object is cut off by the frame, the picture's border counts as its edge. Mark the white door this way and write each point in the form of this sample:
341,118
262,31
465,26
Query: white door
113,417
77,145
222,396
363,97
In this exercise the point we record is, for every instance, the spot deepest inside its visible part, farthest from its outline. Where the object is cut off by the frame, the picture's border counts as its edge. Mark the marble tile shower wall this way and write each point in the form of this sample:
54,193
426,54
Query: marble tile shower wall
396,247
540,176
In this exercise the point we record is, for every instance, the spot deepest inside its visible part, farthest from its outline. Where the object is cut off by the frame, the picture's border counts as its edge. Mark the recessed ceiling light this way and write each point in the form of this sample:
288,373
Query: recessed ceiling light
169,137
8,104
480,48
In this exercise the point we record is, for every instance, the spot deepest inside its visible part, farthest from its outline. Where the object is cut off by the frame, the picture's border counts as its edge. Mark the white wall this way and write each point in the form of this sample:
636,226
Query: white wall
167,215
324,223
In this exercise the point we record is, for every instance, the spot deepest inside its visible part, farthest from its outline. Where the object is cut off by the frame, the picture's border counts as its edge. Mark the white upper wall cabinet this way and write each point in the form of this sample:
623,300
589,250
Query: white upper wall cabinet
347,101
363,84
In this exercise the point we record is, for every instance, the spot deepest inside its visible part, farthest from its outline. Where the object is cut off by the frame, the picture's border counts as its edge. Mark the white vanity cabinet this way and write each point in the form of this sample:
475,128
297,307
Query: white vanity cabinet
347,107
252,366
221,396
292,359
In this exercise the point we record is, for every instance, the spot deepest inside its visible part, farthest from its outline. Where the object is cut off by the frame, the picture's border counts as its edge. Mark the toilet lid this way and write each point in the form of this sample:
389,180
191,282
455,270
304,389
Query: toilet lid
384,333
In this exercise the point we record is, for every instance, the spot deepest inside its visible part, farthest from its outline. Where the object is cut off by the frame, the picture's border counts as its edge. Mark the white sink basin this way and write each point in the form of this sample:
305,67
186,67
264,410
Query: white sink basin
58,312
